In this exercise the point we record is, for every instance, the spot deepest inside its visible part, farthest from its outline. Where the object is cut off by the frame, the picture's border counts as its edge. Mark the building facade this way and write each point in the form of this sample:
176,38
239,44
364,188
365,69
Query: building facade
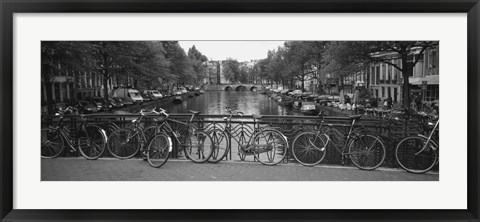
384,80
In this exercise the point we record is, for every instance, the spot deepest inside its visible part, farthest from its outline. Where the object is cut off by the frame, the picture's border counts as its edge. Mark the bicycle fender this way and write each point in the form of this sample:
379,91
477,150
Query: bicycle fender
104,133
170,144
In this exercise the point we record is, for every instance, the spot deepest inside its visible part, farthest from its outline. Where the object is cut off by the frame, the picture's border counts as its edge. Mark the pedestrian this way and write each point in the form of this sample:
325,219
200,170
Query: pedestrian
390,102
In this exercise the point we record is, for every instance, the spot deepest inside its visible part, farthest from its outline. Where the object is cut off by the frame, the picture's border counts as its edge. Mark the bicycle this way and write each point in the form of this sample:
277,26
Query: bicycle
367,152
197,145
269,146
418,154
125,143
89,139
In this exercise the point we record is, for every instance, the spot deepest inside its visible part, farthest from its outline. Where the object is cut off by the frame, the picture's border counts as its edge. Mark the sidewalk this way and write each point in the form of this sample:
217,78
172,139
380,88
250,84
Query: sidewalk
79,169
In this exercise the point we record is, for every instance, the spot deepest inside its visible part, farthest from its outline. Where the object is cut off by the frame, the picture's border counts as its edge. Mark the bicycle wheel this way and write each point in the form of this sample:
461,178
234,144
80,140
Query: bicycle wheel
123,143
158,150
412,158
269,147
242,142
367,152
52,143
221,145
309,148
150,131
91,142
198,147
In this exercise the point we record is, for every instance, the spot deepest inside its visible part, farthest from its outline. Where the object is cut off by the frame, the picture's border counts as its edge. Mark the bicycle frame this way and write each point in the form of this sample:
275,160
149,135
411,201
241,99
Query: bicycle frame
249,143
351,134
169,130
66,132
429,138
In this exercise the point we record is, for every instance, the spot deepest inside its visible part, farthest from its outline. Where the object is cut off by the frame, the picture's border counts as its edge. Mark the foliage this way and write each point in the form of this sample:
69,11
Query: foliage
198,62
344,58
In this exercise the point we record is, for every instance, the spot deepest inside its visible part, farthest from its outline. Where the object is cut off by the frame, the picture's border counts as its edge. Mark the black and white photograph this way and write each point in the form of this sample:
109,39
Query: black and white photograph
240,110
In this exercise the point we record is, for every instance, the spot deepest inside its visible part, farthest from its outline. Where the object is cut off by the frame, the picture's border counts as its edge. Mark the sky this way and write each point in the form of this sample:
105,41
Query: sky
240,50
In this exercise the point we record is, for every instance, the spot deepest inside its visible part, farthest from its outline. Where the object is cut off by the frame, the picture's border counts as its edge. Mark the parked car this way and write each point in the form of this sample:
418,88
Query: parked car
296,92
153,94
127,94
146,98
182,90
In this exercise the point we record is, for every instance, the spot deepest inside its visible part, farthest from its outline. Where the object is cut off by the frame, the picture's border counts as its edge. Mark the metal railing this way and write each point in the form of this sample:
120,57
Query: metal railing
390,131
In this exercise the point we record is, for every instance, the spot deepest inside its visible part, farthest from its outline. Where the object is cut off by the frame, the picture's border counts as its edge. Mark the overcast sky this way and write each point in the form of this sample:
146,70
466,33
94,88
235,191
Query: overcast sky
240,50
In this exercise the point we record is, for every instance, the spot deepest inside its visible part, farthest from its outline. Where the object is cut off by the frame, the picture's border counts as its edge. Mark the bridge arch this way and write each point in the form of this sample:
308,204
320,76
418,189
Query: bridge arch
253,88
241,88
228,88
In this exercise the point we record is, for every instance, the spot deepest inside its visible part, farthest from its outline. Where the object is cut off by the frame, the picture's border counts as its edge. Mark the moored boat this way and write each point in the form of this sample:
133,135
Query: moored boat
177,99
297,104
309,108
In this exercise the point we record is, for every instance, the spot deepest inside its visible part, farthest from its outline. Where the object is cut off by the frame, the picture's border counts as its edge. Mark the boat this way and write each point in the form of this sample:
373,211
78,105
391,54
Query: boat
297,104
197,93
309,109
177,99
277,98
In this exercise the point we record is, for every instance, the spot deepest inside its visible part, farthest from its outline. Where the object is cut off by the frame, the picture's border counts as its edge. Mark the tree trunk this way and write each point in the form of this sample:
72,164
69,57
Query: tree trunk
105,84
48,88
407,70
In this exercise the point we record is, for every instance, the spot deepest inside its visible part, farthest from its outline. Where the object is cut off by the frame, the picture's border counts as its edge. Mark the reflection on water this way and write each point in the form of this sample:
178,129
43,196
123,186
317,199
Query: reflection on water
215,102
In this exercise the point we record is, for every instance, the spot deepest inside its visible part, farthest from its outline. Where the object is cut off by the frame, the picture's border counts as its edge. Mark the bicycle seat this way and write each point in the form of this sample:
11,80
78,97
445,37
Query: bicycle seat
257,116
356,117
194,112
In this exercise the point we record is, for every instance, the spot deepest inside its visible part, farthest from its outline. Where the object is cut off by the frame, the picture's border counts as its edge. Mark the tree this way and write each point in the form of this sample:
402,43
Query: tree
231,70
150,65
73,55
180,66
348,56
304,59
198,62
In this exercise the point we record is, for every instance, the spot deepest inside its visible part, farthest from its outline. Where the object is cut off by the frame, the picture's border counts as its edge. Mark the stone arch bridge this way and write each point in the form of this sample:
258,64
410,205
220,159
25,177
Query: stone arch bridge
235,87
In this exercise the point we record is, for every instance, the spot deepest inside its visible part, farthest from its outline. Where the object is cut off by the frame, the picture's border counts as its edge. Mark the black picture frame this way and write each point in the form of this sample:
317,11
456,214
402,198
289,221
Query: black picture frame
9,7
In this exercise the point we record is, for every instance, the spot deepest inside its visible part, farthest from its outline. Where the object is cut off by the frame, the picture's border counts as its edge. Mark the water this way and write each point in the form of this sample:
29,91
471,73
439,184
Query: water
215,102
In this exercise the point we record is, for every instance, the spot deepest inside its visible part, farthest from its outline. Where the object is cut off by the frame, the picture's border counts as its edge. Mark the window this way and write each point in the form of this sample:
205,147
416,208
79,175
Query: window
383,91
371,75
378,75
389,71
395,94
432,93
432,62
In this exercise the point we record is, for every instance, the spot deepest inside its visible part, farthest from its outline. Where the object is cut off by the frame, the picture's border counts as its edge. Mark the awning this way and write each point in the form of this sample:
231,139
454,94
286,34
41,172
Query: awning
431,80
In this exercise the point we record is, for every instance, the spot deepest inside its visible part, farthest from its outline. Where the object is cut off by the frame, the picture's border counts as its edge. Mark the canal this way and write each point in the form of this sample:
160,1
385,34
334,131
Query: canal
215,102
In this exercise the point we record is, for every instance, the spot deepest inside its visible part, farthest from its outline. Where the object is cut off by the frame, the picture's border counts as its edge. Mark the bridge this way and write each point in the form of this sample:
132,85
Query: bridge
236,87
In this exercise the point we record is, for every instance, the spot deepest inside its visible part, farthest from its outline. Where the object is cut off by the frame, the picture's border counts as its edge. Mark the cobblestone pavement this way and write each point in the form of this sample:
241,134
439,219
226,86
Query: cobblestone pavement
79,169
